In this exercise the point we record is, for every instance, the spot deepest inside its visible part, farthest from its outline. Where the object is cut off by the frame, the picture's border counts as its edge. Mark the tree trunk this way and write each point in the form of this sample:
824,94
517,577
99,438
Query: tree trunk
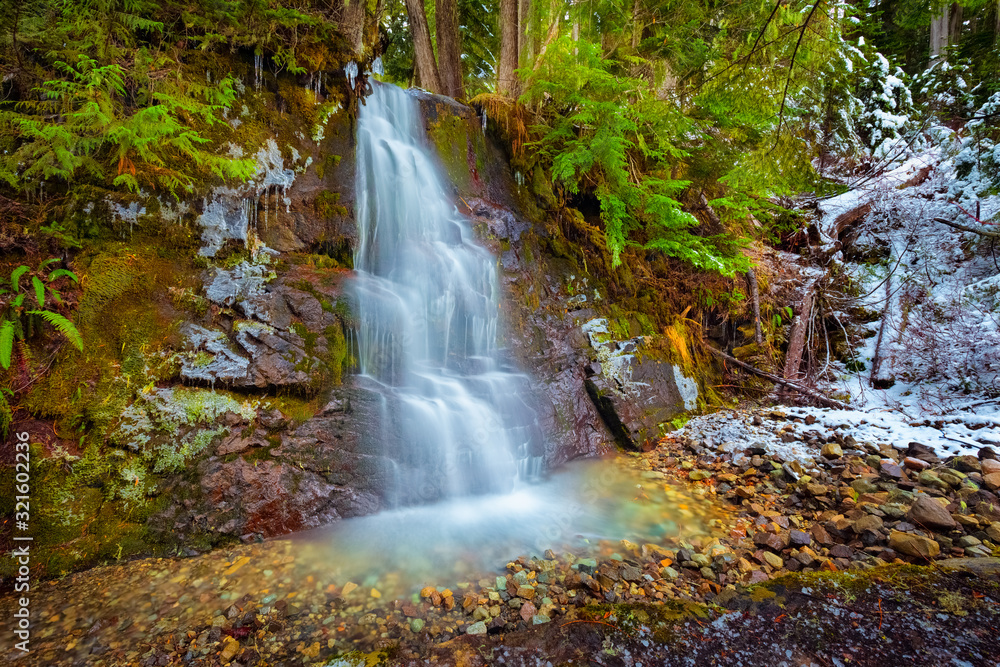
755,304
939,34
449,48
882,378
955,23
637,26
423,51
352,25
797,339
549,38
507,82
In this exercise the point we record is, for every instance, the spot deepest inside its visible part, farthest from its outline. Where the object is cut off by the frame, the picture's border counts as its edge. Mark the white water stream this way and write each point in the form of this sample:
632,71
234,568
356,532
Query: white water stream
428,307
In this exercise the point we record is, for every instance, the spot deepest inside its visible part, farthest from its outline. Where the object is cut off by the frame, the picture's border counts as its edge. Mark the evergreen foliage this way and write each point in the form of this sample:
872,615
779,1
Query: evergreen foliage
79,130
605,131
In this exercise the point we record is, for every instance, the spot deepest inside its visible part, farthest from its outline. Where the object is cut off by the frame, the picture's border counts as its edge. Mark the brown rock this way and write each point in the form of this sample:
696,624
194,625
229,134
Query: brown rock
990,466
992,481
236,443
774,561
966,464
831,450
841,551
915,464
890,469
527,611
917,546
867,522
775,541
922,452
526,592
929,513
814,489
820,534
230,648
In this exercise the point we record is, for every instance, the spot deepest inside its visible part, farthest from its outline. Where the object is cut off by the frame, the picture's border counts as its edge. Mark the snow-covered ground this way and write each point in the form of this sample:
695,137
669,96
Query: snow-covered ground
927,361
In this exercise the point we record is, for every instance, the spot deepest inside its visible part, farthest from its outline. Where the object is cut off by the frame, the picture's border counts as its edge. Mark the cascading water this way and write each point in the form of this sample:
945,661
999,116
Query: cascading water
428,314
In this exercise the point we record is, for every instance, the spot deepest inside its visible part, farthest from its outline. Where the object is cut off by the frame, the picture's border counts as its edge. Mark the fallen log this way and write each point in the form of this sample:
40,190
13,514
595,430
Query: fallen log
825,401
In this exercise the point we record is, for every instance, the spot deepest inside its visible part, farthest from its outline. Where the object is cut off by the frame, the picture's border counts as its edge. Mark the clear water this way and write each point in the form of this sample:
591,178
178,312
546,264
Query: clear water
454,418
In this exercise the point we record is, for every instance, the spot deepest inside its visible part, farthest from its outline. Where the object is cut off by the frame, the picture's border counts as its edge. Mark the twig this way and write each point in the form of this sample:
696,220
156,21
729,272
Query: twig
788,78
753,48
816,396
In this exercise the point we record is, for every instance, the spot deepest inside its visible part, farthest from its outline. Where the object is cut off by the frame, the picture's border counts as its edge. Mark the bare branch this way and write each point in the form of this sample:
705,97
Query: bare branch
774,11
965,228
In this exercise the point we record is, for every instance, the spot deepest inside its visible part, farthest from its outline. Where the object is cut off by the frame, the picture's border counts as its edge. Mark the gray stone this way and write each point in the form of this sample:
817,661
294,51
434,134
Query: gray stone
635,392
478,628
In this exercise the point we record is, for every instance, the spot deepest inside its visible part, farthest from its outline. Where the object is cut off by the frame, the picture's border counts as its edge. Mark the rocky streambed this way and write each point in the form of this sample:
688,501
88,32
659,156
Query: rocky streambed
831,551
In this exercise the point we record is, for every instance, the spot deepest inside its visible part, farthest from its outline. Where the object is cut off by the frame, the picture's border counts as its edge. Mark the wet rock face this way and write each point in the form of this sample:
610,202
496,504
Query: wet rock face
634,391
263,482
301,204
283,338
543,338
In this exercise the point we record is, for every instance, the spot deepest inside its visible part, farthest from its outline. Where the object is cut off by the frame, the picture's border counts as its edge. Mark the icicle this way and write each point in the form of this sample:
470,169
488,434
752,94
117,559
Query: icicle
351,72
258,66
484,120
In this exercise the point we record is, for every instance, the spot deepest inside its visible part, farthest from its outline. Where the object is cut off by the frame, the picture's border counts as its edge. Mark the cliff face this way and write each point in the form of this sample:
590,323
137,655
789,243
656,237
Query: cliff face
216,396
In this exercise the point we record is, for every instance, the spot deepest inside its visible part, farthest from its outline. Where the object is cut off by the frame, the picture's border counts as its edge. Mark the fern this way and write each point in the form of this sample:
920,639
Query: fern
62,325
6,342
15,277
81,130
18,323
59,273
39,291
616,140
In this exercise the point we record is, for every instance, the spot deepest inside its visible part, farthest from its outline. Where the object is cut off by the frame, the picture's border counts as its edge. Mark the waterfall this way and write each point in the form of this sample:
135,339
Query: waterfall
428,310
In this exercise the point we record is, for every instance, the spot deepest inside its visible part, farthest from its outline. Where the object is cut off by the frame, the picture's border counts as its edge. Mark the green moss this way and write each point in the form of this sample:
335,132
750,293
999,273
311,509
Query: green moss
309,338
661,618
450,136
77,521
336,345
327,164
327,205
298,409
